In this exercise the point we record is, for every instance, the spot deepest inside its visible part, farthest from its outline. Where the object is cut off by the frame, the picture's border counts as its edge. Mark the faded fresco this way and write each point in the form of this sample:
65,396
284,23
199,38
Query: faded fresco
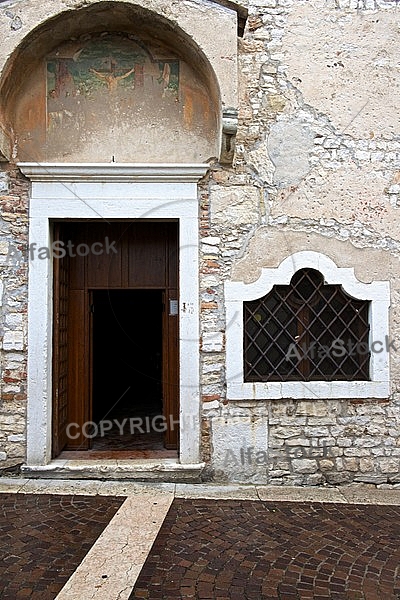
93,87
116,97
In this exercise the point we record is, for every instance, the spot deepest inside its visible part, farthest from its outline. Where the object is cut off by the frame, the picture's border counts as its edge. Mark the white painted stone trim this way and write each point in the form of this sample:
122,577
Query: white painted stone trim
378,293
116,172
95,192
5,146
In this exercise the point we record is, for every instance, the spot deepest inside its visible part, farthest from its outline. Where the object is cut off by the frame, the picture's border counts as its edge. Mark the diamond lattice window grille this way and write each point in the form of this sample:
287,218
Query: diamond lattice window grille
306,331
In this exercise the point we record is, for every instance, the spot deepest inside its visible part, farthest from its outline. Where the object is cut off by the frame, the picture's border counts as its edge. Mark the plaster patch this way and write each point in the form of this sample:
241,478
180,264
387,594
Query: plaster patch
269,248
349,195
289,144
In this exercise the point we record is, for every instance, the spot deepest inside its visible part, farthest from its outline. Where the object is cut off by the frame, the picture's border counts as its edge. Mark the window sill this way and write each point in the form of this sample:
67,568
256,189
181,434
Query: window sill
327,390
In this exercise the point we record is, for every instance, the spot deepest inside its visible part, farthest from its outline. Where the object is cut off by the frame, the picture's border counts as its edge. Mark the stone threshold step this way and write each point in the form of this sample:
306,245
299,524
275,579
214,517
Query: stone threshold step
167,470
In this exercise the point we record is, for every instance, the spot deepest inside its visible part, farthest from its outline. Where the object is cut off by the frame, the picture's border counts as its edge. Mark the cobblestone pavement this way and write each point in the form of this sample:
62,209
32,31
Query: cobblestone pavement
44,538
237,550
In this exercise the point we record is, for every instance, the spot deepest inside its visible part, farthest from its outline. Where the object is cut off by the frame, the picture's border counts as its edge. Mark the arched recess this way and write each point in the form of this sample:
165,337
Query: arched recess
115,81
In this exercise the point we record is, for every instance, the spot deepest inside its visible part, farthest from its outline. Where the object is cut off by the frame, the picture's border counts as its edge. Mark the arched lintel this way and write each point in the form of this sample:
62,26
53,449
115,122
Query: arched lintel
282,275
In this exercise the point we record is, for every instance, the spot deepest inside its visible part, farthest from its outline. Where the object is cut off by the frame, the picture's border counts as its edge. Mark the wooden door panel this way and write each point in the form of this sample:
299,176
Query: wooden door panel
60,351
146,255
173,255
171,340
170,371
78,368
104,270
77,263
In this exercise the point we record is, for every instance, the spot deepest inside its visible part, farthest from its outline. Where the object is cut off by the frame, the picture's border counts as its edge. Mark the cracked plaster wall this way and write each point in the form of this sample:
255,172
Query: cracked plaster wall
319,140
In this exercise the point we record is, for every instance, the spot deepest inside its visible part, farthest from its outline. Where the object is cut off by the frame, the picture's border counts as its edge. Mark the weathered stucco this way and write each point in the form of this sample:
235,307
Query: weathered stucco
345,63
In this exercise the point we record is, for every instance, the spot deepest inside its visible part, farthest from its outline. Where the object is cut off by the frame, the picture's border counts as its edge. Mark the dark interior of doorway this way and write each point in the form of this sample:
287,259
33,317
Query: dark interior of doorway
127,370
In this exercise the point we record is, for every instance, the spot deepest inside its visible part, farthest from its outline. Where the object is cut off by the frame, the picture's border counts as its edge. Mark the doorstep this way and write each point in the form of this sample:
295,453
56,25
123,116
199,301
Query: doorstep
166,470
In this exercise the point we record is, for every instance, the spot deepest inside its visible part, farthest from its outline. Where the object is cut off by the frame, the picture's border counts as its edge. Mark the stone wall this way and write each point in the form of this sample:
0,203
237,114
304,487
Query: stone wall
13,319
317,168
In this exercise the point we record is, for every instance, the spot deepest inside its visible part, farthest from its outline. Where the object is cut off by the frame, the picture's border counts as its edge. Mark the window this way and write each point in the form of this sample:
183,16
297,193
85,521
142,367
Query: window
307,329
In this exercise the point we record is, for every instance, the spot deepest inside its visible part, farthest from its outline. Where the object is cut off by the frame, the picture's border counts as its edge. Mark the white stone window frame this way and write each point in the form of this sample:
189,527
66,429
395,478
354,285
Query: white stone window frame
377,293
113,191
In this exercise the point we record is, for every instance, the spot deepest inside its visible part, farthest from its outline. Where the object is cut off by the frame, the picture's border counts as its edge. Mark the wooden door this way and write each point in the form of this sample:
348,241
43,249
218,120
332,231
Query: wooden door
146,258
60,350
170,370
171,343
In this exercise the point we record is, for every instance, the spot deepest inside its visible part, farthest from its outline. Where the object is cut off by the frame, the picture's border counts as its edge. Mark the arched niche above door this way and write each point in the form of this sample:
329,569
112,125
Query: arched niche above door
118,82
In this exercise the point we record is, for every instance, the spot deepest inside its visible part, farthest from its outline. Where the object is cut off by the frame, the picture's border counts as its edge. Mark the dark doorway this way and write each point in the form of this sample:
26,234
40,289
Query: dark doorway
127,369
116,339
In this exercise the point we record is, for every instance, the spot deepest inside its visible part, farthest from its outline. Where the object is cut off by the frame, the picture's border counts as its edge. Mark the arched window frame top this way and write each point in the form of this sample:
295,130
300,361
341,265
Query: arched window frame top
377,293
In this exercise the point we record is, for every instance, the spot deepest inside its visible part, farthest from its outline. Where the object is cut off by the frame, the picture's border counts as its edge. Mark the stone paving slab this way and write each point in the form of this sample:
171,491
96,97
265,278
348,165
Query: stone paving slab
80,487
85,487
113,564
44,538
363,494
238,550
126,488
296,494
243,492
355,493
